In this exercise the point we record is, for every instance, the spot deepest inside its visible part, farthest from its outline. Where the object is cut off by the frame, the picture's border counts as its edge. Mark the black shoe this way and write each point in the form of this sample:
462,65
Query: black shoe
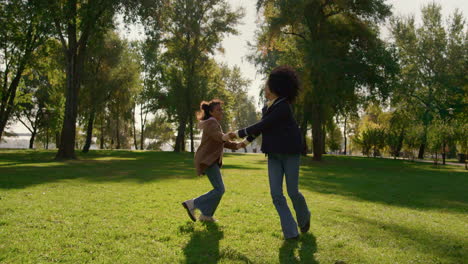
306,227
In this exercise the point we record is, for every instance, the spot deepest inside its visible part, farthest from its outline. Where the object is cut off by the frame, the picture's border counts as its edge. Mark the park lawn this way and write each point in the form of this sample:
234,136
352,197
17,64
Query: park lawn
124,207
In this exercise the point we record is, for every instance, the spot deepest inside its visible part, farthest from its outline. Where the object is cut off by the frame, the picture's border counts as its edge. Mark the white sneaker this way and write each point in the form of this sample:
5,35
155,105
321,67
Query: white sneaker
205,218
190,207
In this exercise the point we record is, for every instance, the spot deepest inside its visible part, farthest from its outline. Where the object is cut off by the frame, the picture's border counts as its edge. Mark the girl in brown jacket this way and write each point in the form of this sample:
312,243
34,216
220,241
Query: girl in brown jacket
208,160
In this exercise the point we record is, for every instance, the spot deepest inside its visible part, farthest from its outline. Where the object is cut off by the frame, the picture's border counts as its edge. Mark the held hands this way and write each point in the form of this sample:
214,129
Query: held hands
229,136
232,135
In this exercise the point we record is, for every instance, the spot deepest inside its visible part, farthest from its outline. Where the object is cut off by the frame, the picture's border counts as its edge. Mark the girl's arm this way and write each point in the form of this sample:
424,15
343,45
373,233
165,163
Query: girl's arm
230,145
213,131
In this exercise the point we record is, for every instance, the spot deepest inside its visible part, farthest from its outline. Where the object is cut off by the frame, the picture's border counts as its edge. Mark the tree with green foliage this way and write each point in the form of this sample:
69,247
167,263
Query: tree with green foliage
99,79
149,100
347,117
334,139
433,62
159,131
243,107
371,131
396,129
126,83
342,54
195,30
39,104
23,29
75,23
371,141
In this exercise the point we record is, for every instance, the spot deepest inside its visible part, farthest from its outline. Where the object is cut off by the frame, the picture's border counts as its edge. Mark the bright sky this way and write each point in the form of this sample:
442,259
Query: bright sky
236,46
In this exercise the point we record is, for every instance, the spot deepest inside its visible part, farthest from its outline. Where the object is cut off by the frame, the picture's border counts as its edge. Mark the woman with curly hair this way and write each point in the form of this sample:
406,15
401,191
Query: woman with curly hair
282,143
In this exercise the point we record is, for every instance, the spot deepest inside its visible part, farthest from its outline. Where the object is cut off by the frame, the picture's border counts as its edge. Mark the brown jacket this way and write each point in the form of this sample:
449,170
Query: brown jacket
211,146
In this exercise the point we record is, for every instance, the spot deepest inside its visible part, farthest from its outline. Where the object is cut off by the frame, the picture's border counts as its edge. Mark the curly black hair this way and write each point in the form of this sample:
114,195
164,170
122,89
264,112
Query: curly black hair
284,82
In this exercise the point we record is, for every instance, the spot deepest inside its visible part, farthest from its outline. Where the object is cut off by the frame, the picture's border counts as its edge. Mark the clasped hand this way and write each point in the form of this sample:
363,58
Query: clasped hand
232,135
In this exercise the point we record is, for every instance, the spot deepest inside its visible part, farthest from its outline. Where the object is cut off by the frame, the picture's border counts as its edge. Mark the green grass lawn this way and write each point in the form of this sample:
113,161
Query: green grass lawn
124,207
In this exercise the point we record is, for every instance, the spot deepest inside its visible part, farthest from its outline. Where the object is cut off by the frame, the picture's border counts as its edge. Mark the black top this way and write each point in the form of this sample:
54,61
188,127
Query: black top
279,129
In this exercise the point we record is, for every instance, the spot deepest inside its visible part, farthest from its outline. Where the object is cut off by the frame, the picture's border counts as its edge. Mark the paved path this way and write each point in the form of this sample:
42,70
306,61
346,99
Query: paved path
440,162
417,160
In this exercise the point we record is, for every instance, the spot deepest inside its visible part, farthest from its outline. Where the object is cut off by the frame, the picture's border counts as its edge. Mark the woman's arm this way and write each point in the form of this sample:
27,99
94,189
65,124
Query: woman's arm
278,114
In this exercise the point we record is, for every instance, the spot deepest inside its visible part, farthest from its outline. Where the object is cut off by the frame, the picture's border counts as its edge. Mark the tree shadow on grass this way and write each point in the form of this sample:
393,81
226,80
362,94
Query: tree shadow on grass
97,166
306,247
20,169
391,182
203,246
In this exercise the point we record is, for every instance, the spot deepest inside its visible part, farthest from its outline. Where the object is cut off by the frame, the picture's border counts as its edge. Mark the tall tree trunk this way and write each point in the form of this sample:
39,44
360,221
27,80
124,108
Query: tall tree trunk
47,138
75,55
101,140
68,135
142,137
345,136
134,128
192,147
400,142
117,132
324,138
111,132
57,139
422,147
444,153
89,131
142,127
317,132
31,140
180,139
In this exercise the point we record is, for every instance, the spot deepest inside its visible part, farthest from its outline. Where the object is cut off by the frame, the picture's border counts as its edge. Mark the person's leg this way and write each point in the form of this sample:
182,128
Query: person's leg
291,170
208,202
275,175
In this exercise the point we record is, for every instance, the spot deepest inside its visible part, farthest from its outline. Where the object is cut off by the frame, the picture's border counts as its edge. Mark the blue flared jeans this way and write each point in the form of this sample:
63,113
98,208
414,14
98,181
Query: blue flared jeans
208,202
287,166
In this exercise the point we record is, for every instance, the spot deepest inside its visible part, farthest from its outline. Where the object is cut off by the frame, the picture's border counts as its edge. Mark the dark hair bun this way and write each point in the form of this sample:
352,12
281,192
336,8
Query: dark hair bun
206,107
